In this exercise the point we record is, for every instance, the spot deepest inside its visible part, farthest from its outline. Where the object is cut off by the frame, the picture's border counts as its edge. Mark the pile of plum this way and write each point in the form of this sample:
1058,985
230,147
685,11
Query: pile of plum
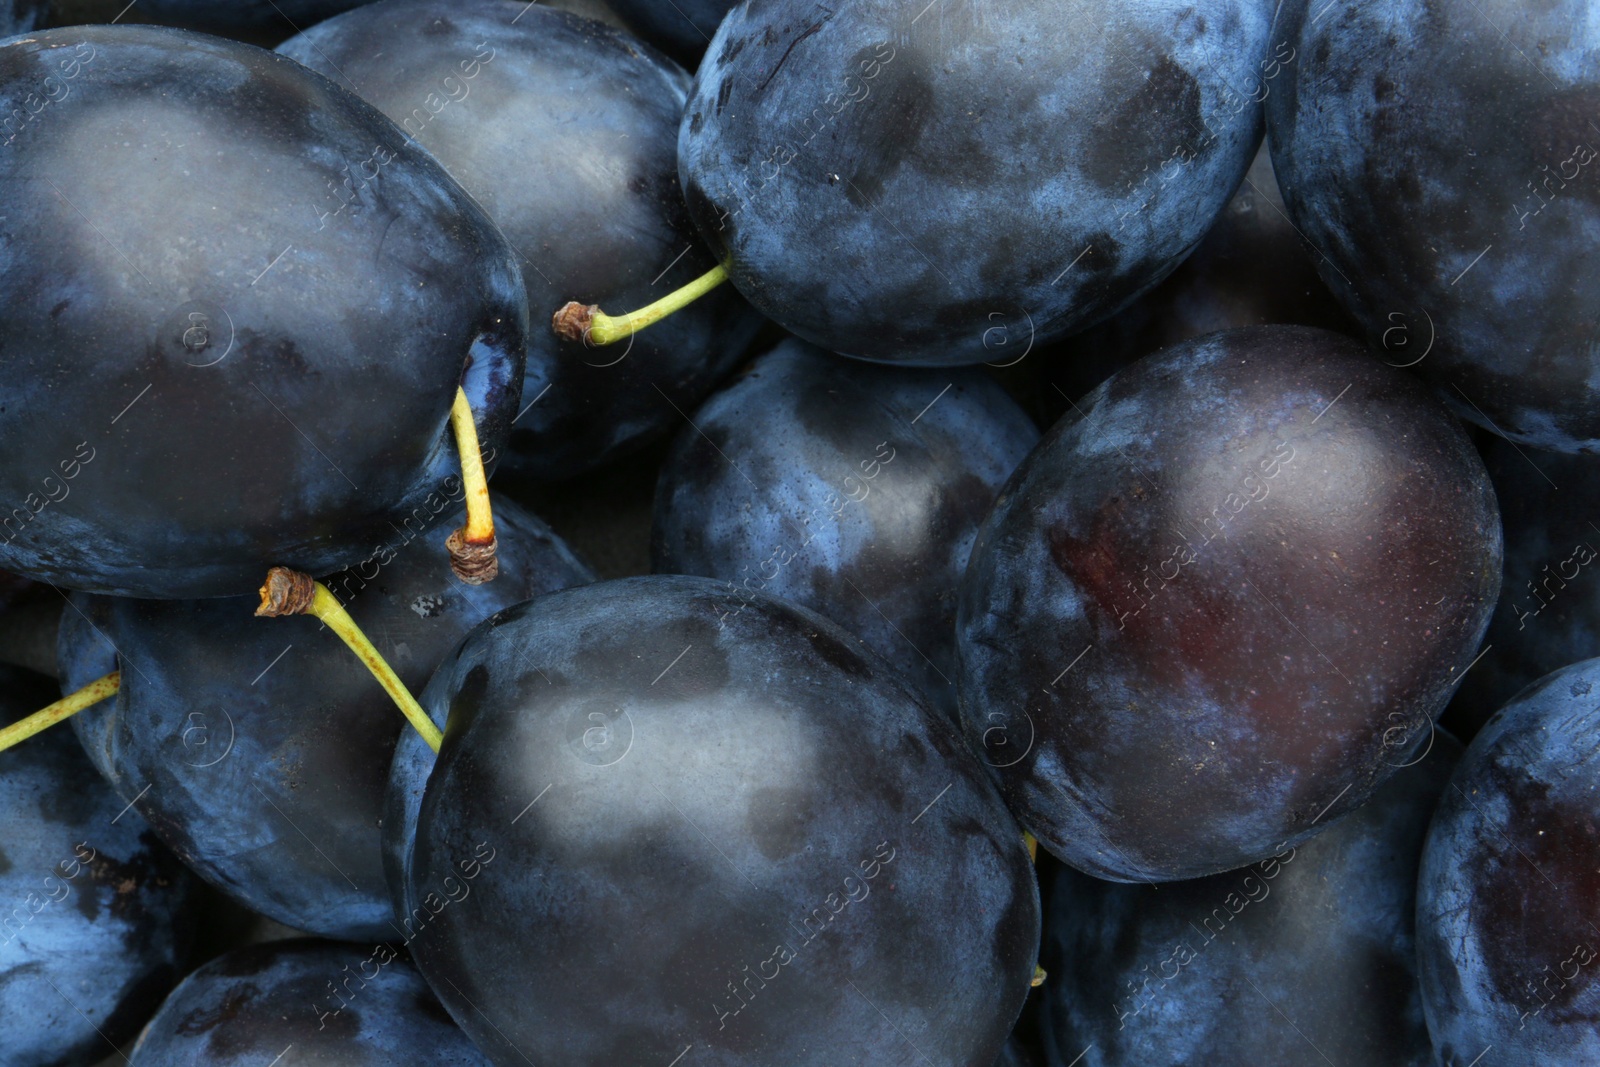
895,533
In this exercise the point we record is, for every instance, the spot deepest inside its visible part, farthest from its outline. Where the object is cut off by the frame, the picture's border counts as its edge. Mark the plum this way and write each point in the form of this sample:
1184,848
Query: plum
900,181
1507,941
1443,159
650,831
239,306
20,16
1213,613
853,489
244,18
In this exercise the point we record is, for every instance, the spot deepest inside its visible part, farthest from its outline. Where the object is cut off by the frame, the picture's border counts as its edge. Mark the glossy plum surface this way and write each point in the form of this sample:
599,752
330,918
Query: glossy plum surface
1211,615
238,306
1308,955
566,132
1507,909
260,748
1443,159
95,915
853,489
305,1002
899,186
754,840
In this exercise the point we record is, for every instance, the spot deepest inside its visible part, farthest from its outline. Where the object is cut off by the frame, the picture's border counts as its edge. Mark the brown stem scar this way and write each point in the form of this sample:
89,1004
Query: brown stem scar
573,321
472,563
286,592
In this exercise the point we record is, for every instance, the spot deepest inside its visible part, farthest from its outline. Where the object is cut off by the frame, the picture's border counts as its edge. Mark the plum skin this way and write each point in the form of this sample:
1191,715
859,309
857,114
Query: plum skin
897,187
1209,616
708,809
1506,931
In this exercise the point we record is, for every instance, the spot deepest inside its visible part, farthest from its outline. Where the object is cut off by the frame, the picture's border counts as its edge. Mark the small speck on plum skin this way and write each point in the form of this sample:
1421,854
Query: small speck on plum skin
1213,614
1507,917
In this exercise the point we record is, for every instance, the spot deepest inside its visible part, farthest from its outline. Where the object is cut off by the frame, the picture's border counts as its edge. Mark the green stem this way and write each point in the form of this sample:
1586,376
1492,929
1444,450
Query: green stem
288,592
587,323
65,708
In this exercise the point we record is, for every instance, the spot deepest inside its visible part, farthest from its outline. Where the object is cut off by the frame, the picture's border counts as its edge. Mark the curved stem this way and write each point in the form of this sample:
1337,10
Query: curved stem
472,548
65,708
288,592
587,323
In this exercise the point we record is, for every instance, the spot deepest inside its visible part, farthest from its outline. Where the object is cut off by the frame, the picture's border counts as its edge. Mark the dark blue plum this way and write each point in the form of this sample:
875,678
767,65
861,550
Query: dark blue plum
1305,957
260,748
853,489
1507,936
682,28
651,830
95,915
1213,613
1549,610
238,306
566,132
898,181
1443,157
304,1001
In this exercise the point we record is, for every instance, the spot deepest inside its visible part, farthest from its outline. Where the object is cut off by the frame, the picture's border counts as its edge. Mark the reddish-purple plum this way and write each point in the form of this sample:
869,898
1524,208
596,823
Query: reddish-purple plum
1213,613
1508,900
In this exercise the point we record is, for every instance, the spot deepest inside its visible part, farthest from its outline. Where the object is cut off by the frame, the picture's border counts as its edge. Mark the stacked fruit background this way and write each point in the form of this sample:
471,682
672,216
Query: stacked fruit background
965,533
